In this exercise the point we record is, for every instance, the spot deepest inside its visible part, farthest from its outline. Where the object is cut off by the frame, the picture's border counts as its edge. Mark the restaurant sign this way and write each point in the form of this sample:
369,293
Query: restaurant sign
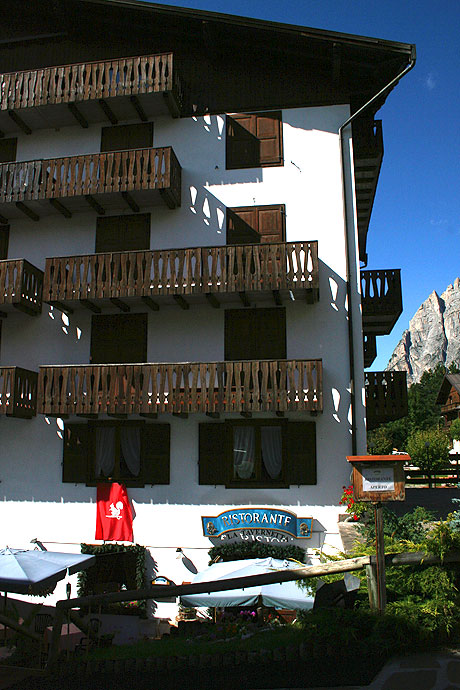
268,525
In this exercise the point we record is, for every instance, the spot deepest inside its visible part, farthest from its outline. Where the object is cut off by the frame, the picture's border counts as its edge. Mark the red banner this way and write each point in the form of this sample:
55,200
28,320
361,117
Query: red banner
114,518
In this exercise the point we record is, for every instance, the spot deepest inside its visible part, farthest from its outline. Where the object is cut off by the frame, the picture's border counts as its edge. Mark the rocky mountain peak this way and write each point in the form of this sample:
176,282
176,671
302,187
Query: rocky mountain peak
433,335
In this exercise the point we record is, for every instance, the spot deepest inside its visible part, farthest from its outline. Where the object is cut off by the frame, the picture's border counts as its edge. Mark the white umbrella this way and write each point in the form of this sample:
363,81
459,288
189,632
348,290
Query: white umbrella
284,595
30,572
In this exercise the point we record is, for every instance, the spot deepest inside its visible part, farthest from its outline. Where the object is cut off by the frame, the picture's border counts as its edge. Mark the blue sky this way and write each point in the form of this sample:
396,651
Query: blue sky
415,223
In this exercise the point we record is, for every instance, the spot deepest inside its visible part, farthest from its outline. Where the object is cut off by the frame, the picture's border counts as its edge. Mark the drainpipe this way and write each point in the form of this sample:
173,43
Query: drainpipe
348,228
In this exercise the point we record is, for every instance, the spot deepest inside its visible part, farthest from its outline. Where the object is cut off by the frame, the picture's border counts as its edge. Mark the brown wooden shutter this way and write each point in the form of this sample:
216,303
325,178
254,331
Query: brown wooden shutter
301,453
4,240
251,224
253,140
213,463
155,442
123,233
268,133
255,334
75,461
119,338
8,150
242,146
241,226
139,136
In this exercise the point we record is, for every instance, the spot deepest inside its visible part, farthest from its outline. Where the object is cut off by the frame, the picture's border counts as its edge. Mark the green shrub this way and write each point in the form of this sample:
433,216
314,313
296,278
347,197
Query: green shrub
245,549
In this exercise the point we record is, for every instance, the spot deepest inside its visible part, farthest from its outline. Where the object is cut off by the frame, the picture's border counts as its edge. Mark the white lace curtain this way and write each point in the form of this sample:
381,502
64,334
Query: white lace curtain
243,451
271,446
130,441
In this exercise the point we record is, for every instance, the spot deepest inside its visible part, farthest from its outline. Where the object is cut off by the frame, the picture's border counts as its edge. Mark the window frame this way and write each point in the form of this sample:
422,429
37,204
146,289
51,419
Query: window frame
258,482
116,478
79,453
233,160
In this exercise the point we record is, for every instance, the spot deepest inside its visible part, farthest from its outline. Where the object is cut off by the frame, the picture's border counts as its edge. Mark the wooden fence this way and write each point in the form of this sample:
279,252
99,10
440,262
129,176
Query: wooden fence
199,270
89,80
180,388
18,392
94,173
21,285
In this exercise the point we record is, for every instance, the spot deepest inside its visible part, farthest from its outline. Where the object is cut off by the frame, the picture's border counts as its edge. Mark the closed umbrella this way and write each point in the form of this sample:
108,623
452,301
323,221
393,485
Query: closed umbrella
284,595
31,572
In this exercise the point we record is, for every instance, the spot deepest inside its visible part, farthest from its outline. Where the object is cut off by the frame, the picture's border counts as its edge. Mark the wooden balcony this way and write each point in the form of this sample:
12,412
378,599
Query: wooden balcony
18,392
101,181
84,93
386,396
21,287
368,155
370,348
381,300
184,276
182,388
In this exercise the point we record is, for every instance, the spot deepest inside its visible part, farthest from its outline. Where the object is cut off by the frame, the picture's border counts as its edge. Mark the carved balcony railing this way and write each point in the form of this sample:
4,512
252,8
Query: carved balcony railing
183,275
368,155
18,392
21,286
89,92
370,348
386,396
118,179
381,300
182,388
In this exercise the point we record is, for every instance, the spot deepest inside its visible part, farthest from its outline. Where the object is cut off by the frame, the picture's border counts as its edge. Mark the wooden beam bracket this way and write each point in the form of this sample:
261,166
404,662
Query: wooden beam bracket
244,299
61,208
82,121
90,305
138,108
108,112
122,306
149,302
95,205
183,304
27,211
19,122
130,201
213,301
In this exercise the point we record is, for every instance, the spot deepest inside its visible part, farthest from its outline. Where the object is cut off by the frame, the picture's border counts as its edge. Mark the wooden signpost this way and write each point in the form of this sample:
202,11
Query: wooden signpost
378,479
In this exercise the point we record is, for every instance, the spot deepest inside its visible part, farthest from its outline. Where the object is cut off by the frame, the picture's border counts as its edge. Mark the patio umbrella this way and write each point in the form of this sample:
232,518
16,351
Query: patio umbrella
31,572
284,595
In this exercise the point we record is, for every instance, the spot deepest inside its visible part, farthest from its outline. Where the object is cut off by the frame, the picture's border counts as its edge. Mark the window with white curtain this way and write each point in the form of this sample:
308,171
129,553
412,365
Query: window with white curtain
117,450
257,451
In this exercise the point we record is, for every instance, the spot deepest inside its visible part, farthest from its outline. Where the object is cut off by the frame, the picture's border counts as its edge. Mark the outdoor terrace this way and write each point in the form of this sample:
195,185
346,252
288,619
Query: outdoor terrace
84,93
381,300
18,392
184,276
101,181
275,386
20,287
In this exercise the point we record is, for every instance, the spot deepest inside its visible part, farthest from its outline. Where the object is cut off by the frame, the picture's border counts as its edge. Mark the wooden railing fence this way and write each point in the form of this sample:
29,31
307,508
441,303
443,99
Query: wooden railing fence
21,283
216,270
246,386
95,173
18,392
89,80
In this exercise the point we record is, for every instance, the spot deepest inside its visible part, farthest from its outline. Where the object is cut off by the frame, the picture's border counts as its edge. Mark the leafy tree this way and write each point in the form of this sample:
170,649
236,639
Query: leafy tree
423,412
454,430
428,449
380,441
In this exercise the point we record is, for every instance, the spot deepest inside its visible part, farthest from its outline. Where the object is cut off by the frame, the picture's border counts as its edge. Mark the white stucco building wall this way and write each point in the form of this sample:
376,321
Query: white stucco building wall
33,500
